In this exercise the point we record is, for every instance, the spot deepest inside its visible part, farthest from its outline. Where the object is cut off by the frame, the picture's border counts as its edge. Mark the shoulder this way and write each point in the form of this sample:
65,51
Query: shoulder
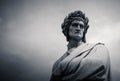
100,46
99,51
99,54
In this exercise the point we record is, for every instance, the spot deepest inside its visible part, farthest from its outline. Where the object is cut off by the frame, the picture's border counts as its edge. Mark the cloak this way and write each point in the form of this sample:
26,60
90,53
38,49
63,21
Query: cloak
87,62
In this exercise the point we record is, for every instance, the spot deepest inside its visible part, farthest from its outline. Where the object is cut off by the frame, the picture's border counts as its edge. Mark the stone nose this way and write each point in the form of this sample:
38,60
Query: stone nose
77,29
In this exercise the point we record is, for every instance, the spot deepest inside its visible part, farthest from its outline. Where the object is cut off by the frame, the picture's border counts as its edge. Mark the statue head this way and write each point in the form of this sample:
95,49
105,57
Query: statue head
76,15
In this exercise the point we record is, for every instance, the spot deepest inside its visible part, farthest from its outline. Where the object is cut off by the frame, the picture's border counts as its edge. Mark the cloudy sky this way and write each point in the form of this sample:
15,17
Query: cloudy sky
31,39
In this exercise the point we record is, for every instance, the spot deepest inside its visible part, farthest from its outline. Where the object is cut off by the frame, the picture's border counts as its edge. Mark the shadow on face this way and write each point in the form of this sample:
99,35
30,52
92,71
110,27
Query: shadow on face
76,30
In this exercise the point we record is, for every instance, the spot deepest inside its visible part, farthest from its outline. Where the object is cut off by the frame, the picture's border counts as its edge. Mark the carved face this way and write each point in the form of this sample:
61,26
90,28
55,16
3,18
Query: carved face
76,30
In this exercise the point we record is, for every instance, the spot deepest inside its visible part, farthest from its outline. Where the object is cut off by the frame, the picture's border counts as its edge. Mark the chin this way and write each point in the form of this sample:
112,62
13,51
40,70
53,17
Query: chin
78,38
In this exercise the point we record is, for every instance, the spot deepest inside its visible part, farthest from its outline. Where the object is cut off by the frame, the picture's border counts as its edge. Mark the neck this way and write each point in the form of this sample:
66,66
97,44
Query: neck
74,43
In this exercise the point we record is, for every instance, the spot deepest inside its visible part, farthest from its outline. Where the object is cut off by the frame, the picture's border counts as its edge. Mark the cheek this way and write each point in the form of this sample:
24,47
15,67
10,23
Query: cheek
71,30
82,31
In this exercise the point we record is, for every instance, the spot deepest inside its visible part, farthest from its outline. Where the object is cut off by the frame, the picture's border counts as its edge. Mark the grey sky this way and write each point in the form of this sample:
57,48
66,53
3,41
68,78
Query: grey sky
30,30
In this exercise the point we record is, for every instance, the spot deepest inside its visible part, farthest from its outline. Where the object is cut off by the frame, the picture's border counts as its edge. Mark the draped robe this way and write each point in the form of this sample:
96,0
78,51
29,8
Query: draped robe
88,62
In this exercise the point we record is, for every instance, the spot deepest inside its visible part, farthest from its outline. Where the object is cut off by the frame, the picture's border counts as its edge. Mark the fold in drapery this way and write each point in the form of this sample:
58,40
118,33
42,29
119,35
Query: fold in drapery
87,62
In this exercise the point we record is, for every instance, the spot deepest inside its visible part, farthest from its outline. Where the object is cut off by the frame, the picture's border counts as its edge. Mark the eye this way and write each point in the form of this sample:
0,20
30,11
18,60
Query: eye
81,26
75,24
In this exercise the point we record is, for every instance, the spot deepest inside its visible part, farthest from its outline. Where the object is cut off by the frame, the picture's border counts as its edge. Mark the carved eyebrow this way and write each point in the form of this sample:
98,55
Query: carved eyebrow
75,24
81,24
